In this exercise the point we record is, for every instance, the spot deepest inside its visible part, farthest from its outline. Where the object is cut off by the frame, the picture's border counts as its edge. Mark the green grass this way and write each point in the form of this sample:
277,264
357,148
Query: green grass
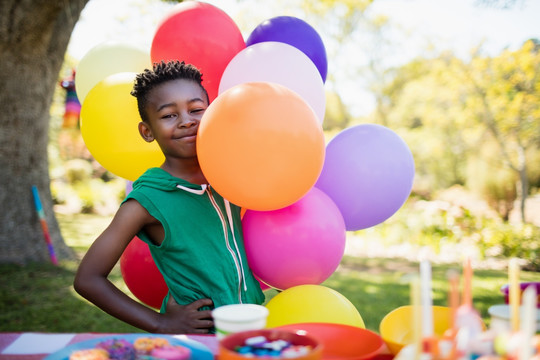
40,297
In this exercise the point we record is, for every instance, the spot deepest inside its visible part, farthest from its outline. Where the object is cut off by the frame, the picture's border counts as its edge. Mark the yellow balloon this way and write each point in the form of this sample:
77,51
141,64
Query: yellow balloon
107,59
312,303
109,127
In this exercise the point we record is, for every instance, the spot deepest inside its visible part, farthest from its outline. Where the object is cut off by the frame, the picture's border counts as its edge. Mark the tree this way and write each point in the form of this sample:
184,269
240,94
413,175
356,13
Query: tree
447,107
504,96
34,35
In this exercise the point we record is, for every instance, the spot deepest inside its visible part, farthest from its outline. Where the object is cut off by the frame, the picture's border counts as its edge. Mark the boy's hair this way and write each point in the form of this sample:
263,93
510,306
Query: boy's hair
161,73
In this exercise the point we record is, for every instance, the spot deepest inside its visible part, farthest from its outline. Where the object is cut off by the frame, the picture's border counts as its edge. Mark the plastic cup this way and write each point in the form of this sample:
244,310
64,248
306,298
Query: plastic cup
229,319
501,318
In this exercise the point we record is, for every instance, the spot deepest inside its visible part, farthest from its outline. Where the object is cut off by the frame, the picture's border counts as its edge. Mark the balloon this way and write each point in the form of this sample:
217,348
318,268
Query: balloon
260,145
295,32
107,59
368,172
306,240
141,274
199,34
312,304
279,63
109,127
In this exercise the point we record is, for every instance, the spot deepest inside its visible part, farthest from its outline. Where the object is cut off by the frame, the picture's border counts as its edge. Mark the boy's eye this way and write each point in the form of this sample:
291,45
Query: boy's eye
198,110
168,116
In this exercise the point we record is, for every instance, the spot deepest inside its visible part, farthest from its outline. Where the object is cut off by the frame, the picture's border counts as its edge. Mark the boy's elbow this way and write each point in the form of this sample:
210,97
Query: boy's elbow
78,284
81,284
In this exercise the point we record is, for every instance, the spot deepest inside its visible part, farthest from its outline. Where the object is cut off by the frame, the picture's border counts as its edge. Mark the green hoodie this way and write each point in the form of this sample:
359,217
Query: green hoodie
202,254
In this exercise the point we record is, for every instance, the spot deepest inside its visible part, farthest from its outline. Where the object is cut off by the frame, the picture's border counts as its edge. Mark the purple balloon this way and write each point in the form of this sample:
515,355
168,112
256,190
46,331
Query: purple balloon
368,171
295,32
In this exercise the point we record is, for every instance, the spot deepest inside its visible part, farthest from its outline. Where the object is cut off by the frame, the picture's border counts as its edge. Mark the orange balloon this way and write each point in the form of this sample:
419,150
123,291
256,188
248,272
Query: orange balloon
261,146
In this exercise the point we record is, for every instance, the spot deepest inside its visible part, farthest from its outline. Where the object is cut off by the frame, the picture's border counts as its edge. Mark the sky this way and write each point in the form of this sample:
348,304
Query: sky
456,25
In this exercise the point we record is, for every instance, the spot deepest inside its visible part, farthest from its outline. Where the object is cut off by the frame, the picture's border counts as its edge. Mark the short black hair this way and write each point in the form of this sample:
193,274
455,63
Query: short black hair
162,72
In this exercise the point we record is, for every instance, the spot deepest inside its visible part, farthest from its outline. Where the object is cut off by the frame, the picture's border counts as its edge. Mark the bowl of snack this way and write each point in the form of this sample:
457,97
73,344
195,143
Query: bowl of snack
340,341
269,343
505,290
396,328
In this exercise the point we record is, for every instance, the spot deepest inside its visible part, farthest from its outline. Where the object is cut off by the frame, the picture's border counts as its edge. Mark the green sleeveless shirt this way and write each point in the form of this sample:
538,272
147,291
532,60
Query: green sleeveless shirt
202,254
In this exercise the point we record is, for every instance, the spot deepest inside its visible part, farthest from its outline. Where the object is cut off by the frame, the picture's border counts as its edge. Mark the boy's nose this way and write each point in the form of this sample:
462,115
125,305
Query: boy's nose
186,120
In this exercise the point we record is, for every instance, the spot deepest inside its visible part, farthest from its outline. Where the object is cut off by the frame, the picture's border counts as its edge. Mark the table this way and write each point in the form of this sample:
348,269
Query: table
56,341
44,344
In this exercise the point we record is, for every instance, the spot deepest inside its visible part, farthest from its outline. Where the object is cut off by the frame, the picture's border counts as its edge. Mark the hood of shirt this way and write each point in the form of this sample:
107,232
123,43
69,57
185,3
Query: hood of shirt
162,180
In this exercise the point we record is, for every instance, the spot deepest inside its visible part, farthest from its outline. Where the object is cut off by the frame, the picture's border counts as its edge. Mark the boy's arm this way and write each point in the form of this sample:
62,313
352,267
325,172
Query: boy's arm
91,280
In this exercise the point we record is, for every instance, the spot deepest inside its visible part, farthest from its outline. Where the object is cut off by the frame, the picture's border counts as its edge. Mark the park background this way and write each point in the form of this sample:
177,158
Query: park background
457,82
468,107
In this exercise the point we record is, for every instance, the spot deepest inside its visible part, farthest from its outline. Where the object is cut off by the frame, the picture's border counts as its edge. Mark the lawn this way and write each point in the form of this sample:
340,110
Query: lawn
40,297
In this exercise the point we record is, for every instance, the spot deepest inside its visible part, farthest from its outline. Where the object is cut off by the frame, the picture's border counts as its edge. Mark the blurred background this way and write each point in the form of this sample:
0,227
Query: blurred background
458,81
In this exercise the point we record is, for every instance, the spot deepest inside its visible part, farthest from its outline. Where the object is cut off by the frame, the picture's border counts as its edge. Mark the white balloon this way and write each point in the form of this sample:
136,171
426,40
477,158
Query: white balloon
281,63
106,59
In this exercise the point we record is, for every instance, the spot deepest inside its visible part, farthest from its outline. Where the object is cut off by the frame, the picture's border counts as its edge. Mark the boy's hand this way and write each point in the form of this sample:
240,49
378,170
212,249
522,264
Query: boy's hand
187,319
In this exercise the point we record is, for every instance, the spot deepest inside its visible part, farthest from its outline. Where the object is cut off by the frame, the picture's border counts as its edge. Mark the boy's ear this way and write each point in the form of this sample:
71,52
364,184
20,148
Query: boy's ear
145,132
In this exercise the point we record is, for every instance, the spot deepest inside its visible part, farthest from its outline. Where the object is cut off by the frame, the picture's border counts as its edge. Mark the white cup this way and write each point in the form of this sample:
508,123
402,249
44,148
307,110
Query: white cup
501,318
234,318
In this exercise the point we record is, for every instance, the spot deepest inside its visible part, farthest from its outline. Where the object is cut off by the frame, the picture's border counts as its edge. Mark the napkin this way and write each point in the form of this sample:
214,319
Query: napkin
36,343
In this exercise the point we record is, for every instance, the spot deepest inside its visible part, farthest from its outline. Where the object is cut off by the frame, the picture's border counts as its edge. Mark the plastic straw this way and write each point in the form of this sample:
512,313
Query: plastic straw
514,293
44,227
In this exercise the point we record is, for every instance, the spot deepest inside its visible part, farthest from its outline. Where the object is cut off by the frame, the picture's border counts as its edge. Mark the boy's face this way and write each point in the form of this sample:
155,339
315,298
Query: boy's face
174,111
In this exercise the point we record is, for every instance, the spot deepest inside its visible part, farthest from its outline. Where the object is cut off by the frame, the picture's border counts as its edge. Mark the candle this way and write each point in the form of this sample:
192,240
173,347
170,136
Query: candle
416,316
426,299
453,298
514,293
528,326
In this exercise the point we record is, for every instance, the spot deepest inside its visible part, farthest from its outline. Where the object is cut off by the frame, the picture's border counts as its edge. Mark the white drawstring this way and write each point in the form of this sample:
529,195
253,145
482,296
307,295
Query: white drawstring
193,191
229,216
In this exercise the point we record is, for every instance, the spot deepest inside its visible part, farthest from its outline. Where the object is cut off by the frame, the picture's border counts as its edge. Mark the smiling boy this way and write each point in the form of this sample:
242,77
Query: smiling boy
194,235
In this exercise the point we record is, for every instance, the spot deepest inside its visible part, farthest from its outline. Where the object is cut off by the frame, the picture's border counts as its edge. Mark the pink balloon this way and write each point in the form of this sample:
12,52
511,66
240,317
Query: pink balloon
280,63
302,243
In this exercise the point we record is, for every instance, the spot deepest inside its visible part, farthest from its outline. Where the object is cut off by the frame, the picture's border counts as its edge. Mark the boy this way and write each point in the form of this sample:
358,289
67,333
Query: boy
193,233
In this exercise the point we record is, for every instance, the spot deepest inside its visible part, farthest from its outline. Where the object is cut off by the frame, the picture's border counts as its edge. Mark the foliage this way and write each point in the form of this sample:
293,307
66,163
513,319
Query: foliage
445,107
518,241
454,221
336,115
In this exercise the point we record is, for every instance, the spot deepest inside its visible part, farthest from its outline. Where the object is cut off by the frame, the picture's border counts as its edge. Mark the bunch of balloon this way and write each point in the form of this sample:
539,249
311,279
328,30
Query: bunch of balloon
260,145
109,114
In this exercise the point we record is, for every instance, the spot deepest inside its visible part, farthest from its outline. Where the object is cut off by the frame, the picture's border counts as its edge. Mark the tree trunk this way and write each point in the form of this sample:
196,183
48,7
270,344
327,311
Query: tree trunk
34,35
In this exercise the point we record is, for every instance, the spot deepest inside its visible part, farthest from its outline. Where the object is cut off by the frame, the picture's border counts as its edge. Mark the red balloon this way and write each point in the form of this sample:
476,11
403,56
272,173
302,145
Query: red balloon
141,274
199,34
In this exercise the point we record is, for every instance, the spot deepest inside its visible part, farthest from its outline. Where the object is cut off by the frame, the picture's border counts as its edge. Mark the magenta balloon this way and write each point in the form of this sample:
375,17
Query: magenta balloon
296,245
368,172
295,32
